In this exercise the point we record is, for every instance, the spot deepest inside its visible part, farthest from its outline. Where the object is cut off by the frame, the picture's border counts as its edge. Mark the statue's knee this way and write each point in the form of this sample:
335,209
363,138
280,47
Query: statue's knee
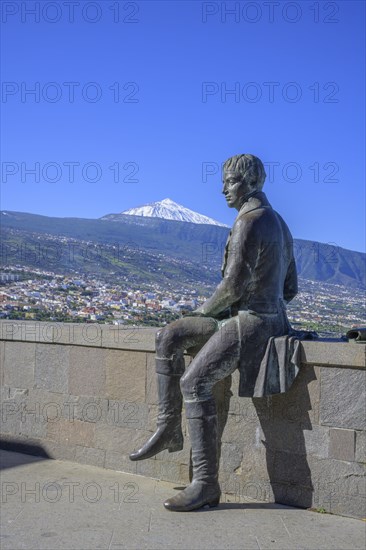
160,338
164,341
185,385
188,386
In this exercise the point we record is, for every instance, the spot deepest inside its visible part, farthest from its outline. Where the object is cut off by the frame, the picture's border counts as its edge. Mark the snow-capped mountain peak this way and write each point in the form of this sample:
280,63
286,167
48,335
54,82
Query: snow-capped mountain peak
170,210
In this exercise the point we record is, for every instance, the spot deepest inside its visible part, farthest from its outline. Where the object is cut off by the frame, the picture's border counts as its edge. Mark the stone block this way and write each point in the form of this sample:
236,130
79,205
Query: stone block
169,471
59,451
342,444
31,331
128,415
119,462
19,364
2,348
343,354
10,418
300,403
85,408
317,441
360,452
254,464
78,334
343,399
184,474
251,488
231,457
126,376
119,439
31,426
338,486
89,455
9,330
150,468
40,405
52,367
27,412
128,338
71,433
87,371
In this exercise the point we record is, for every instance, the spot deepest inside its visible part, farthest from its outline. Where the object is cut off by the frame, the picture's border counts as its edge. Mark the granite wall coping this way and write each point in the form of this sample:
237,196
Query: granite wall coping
322,352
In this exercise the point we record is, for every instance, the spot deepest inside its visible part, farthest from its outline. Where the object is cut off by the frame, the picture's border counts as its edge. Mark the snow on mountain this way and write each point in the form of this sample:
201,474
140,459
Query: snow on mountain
170,210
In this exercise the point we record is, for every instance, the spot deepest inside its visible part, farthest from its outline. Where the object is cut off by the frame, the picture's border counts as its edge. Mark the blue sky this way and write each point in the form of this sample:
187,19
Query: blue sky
132,104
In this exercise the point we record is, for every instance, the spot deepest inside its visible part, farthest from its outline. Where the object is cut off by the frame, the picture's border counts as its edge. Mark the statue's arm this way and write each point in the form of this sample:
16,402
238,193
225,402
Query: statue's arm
290,287
237,272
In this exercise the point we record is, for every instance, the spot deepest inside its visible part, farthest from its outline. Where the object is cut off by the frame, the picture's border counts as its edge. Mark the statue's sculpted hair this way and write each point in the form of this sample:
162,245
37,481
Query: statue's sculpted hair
250,167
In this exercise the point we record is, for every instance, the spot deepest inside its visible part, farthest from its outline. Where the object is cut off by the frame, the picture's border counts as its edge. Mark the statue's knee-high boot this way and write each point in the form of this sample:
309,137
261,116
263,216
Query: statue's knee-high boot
168,434
204,488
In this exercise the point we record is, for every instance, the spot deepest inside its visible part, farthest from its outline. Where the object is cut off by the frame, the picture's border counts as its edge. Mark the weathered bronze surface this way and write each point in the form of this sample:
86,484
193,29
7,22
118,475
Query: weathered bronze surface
229,331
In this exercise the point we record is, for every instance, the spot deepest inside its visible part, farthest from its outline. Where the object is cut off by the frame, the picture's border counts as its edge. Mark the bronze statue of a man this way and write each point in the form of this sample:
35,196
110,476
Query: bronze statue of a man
233,327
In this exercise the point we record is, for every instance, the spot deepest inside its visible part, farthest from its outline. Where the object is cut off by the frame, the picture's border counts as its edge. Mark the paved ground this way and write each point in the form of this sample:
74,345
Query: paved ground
52,504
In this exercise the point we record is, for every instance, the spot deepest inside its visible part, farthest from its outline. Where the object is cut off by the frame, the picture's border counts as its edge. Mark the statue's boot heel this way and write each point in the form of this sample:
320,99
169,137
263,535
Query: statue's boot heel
177,445
168,434
195,496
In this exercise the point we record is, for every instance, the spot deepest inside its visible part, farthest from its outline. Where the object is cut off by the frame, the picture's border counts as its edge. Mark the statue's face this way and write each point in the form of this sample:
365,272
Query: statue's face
234,189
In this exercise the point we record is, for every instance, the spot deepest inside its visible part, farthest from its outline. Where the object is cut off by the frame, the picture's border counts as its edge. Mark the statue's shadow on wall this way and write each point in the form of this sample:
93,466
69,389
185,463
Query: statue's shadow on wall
283,419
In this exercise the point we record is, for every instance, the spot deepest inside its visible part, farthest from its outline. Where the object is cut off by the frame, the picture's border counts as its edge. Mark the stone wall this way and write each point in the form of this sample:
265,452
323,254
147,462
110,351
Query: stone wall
87,393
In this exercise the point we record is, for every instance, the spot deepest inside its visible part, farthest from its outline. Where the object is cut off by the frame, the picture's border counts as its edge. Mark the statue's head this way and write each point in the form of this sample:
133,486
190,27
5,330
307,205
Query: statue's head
242,175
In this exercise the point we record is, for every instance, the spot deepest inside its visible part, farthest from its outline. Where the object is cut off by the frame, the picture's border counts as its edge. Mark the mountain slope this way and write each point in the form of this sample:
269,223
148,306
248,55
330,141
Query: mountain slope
197,243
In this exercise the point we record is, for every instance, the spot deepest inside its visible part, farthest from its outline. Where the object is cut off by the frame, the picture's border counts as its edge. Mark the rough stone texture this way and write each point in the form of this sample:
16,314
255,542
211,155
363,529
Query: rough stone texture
52,367
339,487
117,461
128,338
88,334
127,415
30,331
151,388
88,455
360,452
19,364
71,433
343,403
2,349
126,376
342,444
59,450
118,439
85,408
87,371
334,354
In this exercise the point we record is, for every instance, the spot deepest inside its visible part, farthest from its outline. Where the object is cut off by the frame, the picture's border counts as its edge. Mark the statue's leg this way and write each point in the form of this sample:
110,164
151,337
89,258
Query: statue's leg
171,342
216,360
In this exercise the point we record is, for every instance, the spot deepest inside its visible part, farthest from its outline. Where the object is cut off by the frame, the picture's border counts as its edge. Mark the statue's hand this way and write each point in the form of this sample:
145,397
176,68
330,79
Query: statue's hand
195,313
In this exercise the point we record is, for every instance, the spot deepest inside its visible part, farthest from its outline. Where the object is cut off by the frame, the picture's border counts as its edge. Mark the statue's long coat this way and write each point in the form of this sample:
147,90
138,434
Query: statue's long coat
259,277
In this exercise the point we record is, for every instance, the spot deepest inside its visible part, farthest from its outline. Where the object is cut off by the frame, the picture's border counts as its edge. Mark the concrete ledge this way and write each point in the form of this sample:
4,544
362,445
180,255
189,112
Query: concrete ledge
79,334
319,352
